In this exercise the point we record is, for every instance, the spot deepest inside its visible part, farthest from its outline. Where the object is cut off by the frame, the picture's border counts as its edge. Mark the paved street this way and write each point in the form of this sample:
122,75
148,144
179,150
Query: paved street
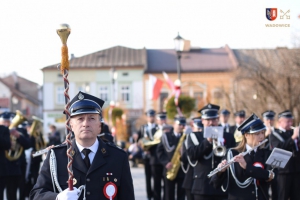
139,182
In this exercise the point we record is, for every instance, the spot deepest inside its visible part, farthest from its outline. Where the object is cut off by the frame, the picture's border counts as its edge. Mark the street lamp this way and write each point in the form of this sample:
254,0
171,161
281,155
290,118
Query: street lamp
114,76
179,44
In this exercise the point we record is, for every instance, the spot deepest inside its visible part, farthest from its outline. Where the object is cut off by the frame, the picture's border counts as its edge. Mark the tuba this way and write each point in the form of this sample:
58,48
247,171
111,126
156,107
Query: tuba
172,173
37,134
16,149
146,143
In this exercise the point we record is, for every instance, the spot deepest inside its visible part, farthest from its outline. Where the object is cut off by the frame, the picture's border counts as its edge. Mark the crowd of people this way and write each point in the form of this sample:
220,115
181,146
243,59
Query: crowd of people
177,158
180,162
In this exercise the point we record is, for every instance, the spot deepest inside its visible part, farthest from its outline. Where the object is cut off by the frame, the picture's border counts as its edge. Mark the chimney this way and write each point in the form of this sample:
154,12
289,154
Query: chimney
187,45
15,78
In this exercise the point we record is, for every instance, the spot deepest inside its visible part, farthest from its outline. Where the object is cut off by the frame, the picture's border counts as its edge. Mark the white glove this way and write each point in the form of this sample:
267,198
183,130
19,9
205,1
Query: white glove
69,195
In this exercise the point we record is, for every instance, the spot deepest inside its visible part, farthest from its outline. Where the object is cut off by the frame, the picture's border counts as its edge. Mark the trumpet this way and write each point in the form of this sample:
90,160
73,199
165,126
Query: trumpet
218,149
218,169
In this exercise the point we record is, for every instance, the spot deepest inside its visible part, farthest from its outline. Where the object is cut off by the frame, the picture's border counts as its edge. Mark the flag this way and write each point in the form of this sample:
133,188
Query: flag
169,83
155,86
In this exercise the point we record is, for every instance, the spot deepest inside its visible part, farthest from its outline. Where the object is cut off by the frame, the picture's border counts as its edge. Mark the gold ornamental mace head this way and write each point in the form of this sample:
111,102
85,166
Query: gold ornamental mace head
63,31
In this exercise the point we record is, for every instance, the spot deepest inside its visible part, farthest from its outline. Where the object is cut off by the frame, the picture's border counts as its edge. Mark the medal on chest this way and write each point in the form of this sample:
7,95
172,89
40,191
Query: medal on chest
110,190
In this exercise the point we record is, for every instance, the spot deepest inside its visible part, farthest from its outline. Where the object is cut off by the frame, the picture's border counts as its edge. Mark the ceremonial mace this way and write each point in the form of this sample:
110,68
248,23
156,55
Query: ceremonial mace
64,31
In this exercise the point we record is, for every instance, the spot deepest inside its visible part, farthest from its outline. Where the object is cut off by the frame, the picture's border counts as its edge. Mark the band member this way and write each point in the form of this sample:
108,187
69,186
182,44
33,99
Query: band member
148,131
288,179
224,118
268,119
157,168
165,151
189,170
239,119
4,146
248,175
33,163
16,166
201,152
101,170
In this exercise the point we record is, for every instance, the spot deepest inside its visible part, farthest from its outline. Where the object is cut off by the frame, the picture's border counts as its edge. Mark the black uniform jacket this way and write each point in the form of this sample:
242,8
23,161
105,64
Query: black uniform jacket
261,175
188,179
293,165
14,168
4,145
232,129
201,170
166,157
152,156
108,159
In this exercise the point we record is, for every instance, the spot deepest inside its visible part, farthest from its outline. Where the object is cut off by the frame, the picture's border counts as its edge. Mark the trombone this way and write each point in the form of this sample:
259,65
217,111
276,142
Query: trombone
218,169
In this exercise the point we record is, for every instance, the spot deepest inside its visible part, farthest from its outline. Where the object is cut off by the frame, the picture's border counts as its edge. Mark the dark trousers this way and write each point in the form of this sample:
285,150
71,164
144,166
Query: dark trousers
148,175
22,183
2,186
11,187
209,197
188,194
288,186
157,172
274,187
170,189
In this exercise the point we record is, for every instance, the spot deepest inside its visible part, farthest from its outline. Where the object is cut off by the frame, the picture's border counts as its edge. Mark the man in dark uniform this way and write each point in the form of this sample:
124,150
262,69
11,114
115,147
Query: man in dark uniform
16,166
189,171
239,119
200,152
224,118
147,132
288,179
165,152
101,170
269,120
157,168
4,146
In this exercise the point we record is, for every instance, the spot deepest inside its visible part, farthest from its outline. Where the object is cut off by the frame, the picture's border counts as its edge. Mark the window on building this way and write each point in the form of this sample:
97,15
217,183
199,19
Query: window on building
125,93
198,98
103,93
60,98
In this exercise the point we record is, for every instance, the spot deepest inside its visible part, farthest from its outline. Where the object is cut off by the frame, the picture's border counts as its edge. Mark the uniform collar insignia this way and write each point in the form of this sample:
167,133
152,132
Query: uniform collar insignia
103,150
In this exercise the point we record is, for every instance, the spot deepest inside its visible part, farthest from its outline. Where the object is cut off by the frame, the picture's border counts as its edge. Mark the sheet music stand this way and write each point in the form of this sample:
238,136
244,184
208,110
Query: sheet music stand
279,158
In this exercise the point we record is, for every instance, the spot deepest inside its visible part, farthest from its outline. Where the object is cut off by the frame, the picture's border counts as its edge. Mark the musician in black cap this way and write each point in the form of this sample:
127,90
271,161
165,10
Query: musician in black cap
147,133
101,170
4,146
239,118
201,153
165,151
157,168
224,118
269,120
189,170
248,176
288,179
16,165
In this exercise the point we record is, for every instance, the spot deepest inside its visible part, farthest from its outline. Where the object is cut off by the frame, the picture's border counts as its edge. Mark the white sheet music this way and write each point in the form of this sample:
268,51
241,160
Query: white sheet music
213,132
279,158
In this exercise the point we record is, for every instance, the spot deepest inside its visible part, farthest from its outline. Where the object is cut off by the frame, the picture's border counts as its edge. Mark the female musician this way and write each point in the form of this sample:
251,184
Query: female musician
248,176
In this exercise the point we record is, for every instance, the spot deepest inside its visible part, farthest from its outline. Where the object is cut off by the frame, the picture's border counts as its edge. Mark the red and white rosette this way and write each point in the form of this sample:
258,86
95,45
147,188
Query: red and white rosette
258,164
110,190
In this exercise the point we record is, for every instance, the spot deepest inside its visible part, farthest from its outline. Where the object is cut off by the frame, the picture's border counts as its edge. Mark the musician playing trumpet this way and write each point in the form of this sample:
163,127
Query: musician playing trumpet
201,153
247,178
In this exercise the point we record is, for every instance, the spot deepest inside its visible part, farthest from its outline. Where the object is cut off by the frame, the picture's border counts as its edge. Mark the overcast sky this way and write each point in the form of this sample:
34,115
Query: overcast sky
28,39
